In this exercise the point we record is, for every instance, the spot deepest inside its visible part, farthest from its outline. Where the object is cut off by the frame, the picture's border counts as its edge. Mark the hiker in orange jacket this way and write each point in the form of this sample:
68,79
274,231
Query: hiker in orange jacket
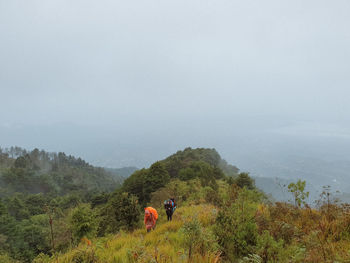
150,219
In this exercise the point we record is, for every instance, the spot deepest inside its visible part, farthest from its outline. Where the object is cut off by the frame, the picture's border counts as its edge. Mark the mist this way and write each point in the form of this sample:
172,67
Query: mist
128,83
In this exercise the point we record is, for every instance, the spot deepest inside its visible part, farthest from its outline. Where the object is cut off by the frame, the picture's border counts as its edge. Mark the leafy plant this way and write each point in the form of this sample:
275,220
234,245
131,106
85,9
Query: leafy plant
298,191
236,227
83,222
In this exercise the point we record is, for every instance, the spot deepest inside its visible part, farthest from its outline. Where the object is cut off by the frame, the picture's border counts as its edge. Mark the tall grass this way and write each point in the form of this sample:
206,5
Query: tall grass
164,244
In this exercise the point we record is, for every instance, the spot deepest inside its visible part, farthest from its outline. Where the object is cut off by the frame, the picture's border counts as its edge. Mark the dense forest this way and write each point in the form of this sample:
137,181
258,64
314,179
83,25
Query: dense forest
35,185
54,208
50,173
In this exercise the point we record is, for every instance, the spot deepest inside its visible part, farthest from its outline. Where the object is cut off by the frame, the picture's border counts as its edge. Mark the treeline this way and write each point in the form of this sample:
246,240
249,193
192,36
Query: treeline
36,186
31,172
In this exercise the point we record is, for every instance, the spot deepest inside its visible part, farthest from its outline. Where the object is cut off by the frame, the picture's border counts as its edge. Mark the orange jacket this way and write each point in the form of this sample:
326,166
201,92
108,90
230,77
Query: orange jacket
153,212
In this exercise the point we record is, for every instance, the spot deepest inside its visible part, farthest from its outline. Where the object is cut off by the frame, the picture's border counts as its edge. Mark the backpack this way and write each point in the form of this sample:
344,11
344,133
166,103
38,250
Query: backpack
150,212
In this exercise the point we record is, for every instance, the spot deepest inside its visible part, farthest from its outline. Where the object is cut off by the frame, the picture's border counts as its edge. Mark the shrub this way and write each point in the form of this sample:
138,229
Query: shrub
121,211
267,248
212,196
298,191
236,228
244,180
83,222
196,239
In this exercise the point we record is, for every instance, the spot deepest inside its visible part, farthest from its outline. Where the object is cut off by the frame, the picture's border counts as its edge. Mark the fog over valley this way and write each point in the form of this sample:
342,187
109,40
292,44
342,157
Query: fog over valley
318,154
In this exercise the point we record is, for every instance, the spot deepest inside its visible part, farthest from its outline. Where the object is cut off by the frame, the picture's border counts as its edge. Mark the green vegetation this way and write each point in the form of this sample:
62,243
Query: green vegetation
36,186
49,173
298,191
221,217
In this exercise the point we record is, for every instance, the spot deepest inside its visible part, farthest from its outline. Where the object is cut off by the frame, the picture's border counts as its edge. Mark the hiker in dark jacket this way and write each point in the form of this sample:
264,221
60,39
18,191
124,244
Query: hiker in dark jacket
169,206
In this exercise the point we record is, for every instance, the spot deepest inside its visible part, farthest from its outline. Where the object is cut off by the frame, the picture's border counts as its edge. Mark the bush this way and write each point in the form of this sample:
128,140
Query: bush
83,222
244,180
121,211
196,239
212,196
267,248
236,228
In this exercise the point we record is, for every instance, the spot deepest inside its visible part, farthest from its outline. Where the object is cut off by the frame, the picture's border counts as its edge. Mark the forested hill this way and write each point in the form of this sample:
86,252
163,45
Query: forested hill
201,163
186,158
31,172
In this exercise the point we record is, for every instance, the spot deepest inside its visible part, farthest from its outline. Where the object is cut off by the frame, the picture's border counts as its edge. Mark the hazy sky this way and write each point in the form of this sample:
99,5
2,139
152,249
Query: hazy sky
127,71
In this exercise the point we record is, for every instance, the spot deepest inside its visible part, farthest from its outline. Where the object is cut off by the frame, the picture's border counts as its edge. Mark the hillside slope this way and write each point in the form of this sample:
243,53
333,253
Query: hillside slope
167,243
243,228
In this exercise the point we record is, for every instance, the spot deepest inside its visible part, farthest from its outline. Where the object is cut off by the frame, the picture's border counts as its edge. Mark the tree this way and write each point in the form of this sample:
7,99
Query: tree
135,184
158,176
121,211
204,171
21,162
244,180
298,192
17,208
144,182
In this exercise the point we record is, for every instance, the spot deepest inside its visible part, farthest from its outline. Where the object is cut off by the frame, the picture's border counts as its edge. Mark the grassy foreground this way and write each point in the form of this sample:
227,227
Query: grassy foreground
169,242
241,231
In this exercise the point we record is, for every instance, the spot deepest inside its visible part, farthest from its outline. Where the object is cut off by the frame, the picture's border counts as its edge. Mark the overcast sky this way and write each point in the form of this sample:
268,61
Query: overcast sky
133,69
